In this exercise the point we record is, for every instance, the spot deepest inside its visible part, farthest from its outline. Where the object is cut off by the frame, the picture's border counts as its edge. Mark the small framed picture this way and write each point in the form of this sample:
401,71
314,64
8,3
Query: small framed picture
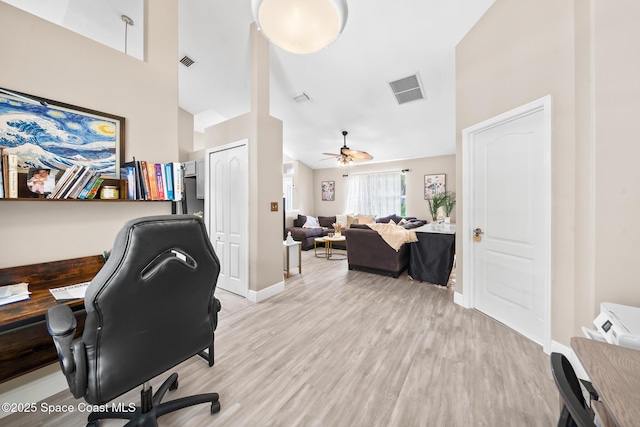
433,184
328,191
41,180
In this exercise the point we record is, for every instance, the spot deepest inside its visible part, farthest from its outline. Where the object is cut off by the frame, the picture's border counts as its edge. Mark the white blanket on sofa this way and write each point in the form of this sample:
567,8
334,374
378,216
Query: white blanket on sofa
394,235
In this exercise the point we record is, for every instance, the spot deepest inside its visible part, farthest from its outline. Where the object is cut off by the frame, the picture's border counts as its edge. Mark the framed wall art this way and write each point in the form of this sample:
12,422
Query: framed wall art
53,135
328,191
434,184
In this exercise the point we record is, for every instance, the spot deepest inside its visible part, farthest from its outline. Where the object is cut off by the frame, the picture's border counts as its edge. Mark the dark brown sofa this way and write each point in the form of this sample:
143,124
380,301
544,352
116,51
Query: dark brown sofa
308,235
367,251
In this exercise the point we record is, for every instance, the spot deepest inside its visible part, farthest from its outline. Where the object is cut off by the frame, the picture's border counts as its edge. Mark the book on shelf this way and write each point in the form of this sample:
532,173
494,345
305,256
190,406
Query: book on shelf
94,189
10,175
159,180
62,181
178,181
168,173
81,184
128,173
1,176
145,180
72,182
153,184
83,194
138,178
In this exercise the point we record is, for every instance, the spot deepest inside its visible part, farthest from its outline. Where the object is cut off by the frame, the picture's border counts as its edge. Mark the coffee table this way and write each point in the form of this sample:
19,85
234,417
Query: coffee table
328,246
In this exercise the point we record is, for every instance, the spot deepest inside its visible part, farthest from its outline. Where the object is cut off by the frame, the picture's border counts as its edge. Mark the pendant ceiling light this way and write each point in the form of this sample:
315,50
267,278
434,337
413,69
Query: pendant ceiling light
300,26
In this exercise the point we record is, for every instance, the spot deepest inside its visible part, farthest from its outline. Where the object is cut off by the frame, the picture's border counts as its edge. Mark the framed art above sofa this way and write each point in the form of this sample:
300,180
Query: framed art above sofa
328,191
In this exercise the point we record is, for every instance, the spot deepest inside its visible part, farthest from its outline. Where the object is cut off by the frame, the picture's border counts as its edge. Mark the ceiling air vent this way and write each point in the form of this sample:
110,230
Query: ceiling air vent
303,97
407,89
186,61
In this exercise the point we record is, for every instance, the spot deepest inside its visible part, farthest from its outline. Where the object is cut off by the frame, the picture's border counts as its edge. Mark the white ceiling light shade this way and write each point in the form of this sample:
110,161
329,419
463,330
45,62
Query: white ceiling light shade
300,26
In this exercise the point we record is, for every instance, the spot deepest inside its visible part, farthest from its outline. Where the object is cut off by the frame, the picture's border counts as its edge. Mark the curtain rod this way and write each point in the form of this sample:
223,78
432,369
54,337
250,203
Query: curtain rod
371,173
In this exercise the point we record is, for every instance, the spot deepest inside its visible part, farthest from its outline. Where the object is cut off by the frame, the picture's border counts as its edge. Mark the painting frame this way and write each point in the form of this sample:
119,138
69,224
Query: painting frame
328,191
45,133
434,184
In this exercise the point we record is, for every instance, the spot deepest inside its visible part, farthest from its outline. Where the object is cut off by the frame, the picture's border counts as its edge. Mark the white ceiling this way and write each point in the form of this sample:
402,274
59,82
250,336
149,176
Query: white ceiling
348,82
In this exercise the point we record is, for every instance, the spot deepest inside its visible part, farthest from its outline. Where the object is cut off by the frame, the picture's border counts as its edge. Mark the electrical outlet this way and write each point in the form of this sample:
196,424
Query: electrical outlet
274,206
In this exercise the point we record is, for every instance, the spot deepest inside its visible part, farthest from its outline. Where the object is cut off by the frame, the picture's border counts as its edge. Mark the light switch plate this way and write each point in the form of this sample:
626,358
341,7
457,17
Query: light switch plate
274,206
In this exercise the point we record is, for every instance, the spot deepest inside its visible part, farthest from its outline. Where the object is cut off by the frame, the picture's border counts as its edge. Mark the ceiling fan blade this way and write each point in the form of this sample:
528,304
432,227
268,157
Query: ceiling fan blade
332,154
358,155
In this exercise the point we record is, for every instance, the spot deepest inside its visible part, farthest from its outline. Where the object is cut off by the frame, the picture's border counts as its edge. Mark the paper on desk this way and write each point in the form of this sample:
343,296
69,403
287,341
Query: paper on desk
70,292
14,293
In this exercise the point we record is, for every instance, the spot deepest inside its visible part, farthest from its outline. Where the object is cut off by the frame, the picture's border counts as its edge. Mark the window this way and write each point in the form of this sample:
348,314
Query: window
378,194
287,193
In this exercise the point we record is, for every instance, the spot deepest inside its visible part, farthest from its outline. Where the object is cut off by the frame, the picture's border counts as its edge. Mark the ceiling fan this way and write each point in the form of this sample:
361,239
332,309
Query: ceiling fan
348,155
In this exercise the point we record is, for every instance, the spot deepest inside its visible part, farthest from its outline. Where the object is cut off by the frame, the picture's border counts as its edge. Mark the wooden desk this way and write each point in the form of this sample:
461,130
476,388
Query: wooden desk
615,373
25,344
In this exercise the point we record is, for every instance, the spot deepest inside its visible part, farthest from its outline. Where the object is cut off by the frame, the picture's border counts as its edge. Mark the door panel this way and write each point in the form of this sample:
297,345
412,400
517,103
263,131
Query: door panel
509,259
228,205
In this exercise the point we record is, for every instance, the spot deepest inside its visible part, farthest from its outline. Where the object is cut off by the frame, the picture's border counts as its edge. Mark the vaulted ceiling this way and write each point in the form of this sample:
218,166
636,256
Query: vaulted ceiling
347,83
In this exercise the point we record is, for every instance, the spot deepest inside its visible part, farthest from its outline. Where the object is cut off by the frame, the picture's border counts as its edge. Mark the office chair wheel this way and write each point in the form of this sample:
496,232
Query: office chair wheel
215,407
174,385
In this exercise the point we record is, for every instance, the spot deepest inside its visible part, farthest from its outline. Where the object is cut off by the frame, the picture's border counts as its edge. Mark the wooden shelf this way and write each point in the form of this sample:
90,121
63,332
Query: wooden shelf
25,195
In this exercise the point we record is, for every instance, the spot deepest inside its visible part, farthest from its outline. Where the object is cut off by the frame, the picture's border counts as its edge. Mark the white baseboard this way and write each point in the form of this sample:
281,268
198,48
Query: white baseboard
461,300
556,347
33,387
263,294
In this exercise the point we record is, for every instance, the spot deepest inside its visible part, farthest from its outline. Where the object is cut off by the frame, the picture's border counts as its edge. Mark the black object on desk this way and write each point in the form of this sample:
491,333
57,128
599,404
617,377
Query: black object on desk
431,257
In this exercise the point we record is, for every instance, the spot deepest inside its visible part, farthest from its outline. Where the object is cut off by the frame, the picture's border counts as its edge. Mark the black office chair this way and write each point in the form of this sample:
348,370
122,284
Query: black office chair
149,308
575,411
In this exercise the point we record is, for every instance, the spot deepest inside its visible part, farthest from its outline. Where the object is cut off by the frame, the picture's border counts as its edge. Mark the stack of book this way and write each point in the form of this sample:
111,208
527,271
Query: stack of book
8,175
77,182
153,181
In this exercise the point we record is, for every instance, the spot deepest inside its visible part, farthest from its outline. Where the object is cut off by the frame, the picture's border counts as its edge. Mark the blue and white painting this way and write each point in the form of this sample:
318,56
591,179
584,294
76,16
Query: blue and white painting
55,137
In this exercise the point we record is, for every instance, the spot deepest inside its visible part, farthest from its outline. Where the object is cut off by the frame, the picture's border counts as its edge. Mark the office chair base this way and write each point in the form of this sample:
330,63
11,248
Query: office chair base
151,409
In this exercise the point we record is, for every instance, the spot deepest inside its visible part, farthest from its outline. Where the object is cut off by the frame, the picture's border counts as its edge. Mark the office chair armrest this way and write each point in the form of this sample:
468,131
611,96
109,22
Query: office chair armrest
215,307
593,394
61,324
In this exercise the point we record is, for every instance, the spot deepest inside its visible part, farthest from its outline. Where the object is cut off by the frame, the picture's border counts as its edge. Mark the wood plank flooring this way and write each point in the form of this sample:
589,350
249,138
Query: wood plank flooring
348,348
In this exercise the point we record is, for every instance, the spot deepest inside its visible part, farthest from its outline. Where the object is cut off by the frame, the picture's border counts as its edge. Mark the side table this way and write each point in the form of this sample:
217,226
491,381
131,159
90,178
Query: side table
290,258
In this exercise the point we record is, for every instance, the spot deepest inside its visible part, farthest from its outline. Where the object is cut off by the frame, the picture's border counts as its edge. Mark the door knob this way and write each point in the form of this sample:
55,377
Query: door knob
477,234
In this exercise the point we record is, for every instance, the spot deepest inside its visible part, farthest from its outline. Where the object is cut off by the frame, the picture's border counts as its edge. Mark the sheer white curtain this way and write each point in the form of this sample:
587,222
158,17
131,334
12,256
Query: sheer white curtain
378,194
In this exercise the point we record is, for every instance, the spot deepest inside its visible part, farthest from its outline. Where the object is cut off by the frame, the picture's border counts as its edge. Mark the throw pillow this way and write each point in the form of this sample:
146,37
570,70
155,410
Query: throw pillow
312,222
386,219
351,220
326,221
366,219
342,219
299,222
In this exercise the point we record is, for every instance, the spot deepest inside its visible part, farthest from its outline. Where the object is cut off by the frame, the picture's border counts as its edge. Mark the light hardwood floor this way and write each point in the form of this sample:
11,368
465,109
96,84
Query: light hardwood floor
347,348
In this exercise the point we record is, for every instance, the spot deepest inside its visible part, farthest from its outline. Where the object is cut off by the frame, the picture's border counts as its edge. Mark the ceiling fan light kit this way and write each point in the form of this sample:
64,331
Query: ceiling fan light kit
347,156
300,26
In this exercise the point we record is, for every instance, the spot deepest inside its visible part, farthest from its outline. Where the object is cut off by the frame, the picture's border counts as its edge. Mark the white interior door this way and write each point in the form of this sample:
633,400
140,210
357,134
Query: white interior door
226,215
510,199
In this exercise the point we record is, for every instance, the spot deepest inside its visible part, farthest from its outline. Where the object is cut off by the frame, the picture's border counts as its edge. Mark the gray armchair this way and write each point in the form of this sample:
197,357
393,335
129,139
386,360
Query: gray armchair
149,308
